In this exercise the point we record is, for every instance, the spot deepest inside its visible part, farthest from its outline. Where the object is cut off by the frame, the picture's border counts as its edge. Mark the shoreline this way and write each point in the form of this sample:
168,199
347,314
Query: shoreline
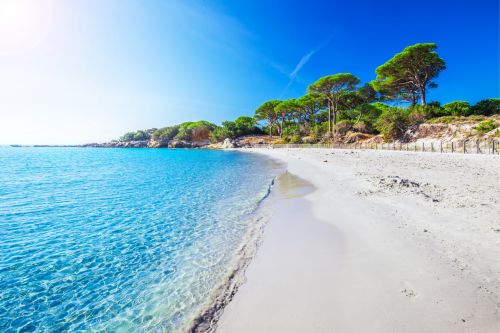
401,255
207,319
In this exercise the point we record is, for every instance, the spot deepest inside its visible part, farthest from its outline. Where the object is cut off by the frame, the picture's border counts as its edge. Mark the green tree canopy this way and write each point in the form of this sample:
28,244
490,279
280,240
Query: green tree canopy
138,135
310,105
166,134
268,113
284,110
409,73
337,90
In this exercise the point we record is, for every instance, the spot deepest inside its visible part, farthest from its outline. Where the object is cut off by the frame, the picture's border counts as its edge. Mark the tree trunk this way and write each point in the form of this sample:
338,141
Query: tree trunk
422,95
280,129
270,130
413,99
334,123
329,117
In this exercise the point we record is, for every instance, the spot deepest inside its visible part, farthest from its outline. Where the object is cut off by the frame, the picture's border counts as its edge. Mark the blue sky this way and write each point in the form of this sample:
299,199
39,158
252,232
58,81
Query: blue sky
89,70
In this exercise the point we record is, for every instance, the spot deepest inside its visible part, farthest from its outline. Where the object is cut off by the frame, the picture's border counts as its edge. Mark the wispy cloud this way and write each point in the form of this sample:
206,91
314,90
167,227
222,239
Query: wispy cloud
303,61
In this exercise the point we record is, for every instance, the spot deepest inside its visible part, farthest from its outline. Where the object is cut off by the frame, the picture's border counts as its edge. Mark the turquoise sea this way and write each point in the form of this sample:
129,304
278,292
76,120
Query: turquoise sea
112,240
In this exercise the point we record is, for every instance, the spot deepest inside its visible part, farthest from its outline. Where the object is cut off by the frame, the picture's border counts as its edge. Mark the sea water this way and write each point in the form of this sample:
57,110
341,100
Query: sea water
128,240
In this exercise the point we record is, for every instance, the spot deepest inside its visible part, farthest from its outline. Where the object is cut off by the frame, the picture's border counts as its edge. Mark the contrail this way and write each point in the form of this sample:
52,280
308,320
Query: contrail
303,61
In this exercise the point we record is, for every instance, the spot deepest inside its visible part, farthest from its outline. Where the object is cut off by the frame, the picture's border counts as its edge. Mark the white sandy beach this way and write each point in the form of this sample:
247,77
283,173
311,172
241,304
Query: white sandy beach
379,241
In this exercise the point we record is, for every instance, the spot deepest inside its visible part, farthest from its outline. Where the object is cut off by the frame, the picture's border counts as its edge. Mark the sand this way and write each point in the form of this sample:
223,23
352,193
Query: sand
376,241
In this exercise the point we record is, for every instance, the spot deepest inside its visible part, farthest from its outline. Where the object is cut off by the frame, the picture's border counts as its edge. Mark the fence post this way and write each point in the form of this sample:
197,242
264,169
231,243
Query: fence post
432,147
493,147
464,146
477,147
441,145
423,146
452,147
415,146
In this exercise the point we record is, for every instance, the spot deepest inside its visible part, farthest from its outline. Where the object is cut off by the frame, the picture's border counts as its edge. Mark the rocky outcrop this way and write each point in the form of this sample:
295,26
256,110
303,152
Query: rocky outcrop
119,144
228,143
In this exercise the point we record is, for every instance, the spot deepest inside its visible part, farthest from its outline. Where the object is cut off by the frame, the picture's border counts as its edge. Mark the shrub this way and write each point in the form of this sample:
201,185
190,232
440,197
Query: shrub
362,127
393,123
486,126
487,107
343,127
295,139
318,130
457,108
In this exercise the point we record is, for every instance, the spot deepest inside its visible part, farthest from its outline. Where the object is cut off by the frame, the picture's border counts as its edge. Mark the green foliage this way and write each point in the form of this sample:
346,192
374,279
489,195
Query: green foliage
233,129
339,90
267,112
393,122
309,105
135,136
457,108
194,131
166,134
409,74
486,126
487,107
424,112
296,138
318,130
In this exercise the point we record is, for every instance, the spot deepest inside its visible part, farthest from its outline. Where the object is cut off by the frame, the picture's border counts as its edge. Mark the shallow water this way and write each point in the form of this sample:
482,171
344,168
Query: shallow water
119,239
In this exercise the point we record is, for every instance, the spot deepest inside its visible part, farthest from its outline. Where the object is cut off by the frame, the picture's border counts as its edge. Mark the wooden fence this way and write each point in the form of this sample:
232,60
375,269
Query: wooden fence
463,147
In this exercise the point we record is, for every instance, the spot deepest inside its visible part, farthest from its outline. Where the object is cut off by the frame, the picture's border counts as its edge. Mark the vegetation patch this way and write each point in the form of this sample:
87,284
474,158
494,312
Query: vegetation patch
486,126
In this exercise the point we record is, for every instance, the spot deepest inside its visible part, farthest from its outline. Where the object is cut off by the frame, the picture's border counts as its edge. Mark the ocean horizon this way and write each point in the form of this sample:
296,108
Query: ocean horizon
121,239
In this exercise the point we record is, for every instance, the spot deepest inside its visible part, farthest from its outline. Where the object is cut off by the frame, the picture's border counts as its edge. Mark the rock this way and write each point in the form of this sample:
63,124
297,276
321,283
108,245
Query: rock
180,144
228,143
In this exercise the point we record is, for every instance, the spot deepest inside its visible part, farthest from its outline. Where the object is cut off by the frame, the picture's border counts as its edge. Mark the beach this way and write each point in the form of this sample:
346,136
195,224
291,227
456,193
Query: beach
375,241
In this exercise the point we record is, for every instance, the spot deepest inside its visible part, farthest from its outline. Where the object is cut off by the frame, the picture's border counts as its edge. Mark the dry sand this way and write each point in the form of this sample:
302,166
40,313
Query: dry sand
376,241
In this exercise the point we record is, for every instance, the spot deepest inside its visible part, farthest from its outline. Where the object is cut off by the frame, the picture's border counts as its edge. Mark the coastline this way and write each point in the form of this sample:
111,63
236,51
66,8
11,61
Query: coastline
207,318
387,241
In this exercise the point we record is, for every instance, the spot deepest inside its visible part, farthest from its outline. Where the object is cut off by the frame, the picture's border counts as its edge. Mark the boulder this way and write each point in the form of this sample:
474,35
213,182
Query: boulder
228,143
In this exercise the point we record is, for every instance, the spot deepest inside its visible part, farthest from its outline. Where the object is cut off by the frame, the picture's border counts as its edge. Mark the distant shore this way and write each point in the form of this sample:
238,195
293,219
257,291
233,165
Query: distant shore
387,242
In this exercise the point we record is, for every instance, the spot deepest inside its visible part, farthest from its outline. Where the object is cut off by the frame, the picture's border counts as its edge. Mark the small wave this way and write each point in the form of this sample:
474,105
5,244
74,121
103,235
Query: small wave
206,320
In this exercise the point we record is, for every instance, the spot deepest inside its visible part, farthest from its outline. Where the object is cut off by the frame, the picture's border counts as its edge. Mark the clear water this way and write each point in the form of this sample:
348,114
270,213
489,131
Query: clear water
116,240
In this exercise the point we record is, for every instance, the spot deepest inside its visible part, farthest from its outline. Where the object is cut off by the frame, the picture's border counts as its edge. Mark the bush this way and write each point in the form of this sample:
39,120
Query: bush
457,108
486,126
423,112
318,130
362,127
343,127
393,123
487,107
295,139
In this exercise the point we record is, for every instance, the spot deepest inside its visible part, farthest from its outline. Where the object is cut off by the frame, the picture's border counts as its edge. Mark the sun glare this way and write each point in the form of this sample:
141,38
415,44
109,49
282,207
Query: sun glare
23,24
